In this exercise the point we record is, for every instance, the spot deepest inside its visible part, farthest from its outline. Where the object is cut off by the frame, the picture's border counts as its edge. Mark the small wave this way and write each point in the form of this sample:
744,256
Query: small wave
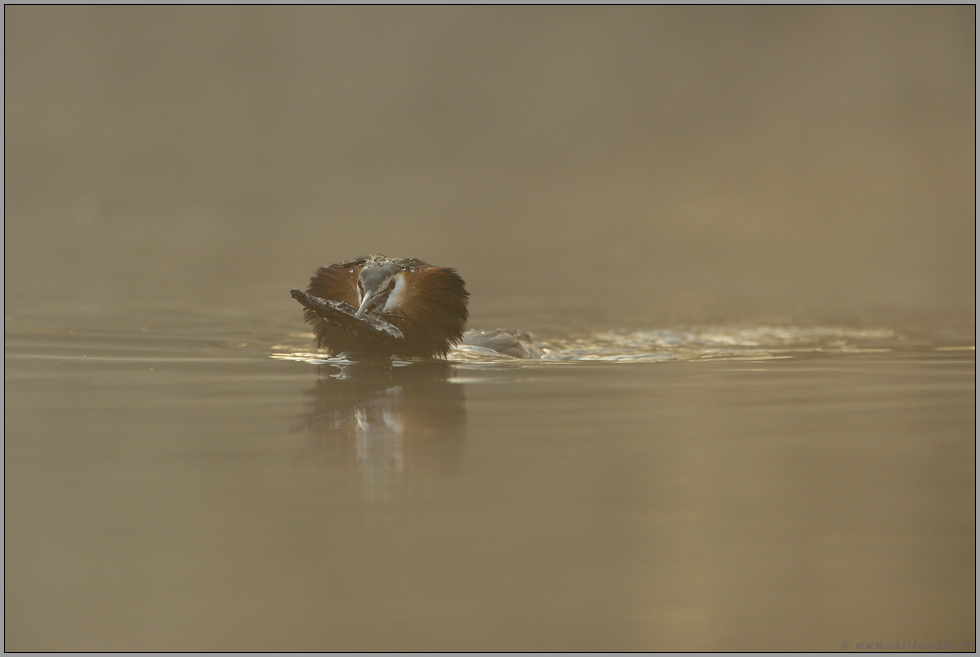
752,343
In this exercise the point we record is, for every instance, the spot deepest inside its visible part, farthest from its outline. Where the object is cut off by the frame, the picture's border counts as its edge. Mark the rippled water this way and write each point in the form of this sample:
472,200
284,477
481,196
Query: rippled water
663,345
207,481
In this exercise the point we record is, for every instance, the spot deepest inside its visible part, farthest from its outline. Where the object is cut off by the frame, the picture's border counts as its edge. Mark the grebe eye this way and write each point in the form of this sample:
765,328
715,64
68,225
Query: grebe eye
360,286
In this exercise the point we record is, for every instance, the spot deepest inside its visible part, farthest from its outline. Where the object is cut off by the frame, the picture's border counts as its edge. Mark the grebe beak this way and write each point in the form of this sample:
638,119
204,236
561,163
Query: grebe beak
372,299
369,301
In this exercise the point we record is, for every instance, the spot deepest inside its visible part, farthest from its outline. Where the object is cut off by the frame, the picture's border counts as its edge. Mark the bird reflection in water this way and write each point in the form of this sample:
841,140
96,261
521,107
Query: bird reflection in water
394,413
398,426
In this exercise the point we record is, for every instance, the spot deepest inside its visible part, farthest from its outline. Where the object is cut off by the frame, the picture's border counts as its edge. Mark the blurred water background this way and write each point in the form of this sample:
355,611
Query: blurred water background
743,238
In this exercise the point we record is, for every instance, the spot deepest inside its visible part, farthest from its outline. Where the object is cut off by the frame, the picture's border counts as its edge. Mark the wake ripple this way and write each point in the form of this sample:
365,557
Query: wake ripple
753,343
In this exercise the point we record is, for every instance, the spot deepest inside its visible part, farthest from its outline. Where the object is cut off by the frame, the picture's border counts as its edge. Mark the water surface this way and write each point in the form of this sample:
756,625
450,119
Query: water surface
209,482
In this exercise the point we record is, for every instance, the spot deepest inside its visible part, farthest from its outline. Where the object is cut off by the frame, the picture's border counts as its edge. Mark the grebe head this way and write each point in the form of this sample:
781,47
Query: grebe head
375,284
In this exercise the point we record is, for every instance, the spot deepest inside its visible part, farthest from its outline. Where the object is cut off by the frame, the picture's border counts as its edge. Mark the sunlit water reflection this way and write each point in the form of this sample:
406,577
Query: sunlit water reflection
661,345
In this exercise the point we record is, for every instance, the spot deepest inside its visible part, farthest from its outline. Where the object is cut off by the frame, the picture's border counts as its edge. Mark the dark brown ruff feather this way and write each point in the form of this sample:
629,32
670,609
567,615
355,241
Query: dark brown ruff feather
431,316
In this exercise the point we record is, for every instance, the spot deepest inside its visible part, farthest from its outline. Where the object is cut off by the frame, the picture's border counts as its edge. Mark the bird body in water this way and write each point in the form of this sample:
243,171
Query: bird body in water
380,306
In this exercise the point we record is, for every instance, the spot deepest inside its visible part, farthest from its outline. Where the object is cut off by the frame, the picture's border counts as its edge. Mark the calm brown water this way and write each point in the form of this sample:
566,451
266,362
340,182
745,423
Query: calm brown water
738,234
199,482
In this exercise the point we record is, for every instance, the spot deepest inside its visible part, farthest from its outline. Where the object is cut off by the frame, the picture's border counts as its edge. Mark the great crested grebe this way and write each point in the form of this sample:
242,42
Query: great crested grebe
380,306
